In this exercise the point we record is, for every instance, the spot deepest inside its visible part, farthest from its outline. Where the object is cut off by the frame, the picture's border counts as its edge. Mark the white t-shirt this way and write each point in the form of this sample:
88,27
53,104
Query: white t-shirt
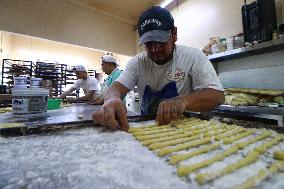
193,71
90,84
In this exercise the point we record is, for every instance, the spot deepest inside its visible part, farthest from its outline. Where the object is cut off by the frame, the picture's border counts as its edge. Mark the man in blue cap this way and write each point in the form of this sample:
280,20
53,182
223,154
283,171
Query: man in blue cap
170,78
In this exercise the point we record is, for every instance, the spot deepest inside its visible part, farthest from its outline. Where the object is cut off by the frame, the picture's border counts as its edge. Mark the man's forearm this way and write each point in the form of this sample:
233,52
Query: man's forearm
63,95
112,93
204,100
83,98
116,91
87,97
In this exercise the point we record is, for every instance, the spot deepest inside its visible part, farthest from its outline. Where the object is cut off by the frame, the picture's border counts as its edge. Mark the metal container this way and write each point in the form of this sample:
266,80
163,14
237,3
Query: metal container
36,82
20,82
32,100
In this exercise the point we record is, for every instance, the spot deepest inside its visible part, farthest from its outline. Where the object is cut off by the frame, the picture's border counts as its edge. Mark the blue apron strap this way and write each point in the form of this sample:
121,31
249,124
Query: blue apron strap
151,100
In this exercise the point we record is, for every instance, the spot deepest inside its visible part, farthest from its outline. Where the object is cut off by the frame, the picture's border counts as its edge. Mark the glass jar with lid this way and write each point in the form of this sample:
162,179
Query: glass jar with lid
222,46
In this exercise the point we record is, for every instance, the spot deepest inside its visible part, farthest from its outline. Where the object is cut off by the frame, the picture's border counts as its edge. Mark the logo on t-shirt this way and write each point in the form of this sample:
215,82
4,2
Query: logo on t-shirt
179,75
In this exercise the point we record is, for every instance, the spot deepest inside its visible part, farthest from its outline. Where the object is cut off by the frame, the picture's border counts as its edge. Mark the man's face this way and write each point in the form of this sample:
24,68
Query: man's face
106,67
80,75
161,52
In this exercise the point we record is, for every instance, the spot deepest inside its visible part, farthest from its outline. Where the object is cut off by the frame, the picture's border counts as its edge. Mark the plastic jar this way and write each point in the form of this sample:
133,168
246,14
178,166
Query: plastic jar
214,49
36,82
239,42
222,46
230,43
32,100
20,82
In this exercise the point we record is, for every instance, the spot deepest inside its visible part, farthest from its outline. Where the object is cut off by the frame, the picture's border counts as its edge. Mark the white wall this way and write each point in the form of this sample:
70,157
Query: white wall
21,47
64,21
199,20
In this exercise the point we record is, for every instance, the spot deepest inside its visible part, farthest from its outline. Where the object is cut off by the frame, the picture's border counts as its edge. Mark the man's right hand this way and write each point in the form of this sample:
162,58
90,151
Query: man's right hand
112,114
97,101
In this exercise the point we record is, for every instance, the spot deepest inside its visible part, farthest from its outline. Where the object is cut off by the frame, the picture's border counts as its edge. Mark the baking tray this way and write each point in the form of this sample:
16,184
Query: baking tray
248,120
28,129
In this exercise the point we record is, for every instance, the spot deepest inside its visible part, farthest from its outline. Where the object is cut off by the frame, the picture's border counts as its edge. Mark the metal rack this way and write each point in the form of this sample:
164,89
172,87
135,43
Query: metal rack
56,73
15,68
70,80
92,72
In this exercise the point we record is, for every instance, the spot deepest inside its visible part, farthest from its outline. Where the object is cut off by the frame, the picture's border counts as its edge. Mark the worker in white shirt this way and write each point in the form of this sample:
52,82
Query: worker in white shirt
88,83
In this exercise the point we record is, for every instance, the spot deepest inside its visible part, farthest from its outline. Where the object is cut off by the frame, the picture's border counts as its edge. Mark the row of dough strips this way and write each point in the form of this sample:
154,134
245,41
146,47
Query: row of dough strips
188,138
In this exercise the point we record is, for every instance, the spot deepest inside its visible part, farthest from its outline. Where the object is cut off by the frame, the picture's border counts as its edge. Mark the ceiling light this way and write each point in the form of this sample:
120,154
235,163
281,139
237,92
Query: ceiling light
166,3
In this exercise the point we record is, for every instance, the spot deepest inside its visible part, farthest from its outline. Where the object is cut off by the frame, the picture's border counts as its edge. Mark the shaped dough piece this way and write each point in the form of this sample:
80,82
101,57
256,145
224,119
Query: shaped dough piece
194,143
206,177
232,133
202,129
242,145
279,155
173,142
254,181
151,132
145,128
208,132
179,123
159,135
178,158
261,149
230,140
5,109
167,133
250,158
163,139
192,124
179,136
217,132
10,125
185,170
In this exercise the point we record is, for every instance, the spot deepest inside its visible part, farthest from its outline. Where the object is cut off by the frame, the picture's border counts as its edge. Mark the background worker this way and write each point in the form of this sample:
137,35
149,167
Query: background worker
110,67
88,83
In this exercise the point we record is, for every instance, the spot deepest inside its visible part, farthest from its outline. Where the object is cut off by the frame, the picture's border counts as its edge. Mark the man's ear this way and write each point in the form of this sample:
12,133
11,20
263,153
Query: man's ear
174,34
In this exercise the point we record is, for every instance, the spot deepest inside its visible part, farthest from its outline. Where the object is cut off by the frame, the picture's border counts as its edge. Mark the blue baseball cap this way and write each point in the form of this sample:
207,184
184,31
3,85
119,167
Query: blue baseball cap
155,24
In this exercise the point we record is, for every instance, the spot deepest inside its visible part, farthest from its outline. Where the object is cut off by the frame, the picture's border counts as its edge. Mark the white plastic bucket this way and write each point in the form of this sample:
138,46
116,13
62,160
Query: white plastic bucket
36,82
32,100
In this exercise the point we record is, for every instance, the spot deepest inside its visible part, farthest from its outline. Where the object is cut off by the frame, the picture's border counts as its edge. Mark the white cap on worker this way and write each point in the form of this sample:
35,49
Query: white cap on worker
79,68
109,58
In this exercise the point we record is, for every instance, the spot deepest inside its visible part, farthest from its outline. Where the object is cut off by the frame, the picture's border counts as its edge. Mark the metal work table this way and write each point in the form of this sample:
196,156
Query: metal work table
92,157
97,157
265,112
62,115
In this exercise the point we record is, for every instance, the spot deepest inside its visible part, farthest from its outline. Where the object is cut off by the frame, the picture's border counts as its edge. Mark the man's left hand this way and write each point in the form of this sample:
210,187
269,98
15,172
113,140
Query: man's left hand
170,109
